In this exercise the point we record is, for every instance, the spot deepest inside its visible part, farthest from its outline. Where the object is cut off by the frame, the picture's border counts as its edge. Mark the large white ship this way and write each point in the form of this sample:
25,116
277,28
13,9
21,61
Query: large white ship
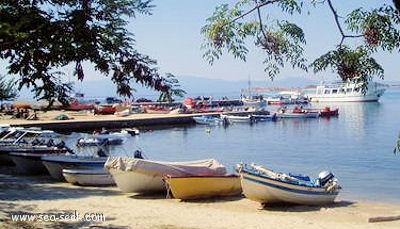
349,91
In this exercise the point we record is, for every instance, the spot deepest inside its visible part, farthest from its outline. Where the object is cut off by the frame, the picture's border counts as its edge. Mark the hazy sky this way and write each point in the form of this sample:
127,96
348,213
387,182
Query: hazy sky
171,35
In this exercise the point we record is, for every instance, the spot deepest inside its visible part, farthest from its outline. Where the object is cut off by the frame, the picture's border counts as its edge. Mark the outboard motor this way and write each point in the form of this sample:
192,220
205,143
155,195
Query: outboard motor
324,177
101,153
138,154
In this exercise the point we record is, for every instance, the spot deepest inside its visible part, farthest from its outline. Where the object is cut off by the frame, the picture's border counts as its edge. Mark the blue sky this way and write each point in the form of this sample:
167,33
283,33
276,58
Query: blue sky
171,35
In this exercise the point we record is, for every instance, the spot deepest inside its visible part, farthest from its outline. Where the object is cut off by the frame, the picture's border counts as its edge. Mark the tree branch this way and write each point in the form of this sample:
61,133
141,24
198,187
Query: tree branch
336,16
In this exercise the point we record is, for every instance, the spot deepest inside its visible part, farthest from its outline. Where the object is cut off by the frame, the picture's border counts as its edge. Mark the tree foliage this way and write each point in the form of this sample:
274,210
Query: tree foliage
228,29
7,89
172,82
40,37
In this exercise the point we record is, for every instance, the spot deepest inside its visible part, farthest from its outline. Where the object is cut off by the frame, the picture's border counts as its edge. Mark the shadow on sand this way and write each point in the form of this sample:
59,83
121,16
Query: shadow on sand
286,207
15,187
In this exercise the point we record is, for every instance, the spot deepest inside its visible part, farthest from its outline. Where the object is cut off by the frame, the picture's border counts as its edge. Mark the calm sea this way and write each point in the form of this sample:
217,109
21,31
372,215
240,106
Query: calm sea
357,146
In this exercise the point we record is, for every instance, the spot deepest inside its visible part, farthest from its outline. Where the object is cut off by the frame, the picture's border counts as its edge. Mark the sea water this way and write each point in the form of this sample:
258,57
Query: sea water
357,146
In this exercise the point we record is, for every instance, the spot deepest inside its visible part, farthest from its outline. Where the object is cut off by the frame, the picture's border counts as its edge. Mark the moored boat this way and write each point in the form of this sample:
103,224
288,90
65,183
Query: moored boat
88,177
230,118
208,120
137,175
201,187
296,113
266,186
349,91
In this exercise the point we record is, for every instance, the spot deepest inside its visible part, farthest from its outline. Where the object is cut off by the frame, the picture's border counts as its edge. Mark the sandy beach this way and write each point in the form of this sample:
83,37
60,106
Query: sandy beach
43,197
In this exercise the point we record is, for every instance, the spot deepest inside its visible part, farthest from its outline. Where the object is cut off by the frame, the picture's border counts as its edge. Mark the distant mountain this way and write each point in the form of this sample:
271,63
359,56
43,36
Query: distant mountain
194,86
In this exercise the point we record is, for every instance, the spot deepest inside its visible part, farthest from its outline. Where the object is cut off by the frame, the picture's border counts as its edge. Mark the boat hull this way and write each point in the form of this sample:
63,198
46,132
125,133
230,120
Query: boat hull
135,182
298,115
266,190
88,177
201,187
56,164
146,176
28,163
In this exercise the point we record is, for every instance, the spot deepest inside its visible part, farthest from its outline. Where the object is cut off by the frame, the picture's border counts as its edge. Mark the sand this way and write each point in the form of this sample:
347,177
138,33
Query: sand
42,195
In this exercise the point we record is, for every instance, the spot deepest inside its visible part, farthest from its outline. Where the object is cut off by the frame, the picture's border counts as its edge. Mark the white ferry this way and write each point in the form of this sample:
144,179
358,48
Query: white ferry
349,91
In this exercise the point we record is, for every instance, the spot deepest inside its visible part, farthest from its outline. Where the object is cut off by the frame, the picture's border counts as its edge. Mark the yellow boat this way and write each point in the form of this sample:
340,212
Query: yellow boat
201,187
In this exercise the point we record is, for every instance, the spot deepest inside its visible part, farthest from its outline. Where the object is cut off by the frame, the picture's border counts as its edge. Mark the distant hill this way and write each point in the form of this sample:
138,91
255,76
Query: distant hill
193,85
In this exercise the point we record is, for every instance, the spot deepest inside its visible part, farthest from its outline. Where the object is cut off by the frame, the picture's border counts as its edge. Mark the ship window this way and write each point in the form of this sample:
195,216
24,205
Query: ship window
334,91
356,89
342,91
348,89
327,92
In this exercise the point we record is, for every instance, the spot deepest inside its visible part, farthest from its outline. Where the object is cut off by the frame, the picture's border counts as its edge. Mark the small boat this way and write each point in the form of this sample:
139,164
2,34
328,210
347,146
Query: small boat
29,163
208,120
264,117
237,118
202,187
137,175
254,101
266,186
349,91
102,139
296,113
123,113
324,112
56,163
104,109
131,131
88,177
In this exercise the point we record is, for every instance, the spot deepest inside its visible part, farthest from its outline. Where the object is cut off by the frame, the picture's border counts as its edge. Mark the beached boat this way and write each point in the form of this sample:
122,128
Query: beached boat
296,113
145,176
28,140
266,186
88,177
29,162
208,120
123,113
56,163
105,109
201,187
350,91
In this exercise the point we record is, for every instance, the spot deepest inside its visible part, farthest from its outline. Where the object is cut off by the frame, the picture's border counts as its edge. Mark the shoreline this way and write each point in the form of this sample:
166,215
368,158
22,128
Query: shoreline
40,194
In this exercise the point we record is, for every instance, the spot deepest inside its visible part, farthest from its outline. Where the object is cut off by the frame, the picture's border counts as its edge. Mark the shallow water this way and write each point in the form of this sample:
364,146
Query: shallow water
357,146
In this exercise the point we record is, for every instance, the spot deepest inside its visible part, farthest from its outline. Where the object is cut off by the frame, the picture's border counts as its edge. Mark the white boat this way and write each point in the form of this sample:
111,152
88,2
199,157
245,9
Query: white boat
208,120
135,175
88,177
266,186
230,118
254,101
103,139
56,163
349,91
123,113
